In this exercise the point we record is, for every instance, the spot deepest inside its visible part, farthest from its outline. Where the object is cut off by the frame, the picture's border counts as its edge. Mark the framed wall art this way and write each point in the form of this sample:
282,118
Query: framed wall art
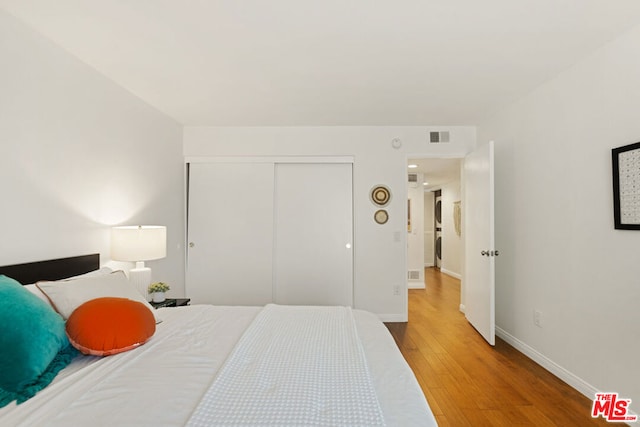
626,186
457,217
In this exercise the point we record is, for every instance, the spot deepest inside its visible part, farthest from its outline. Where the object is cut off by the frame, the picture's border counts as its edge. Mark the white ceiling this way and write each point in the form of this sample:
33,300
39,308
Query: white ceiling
436,172
330,62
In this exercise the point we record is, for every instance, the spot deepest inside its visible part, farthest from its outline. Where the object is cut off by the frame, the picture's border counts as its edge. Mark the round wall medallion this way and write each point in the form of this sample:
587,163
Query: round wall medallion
381,216
380,195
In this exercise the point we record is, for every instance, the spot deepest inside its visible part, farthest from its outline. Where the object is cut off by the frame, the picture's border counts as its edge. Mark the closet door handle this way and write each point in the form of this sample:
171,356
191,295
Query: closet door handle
191,244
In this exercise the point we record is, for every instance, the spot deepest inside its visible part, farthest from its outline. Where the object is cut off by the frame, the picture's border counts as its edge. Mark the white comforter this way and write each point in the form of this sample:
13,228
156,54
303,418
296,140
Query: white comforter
162,382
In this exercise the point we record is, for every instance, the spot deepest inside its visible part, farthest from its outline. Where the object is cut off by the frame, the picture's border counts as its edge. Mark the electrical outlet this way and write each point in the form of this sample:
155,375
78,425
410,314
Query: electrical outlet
396,289
537,318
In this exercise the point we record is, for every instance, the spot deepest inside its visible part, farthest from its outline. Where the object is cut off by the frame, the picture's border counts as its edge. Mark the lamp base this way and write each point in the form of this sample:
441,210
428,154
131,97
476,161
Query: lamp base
140,278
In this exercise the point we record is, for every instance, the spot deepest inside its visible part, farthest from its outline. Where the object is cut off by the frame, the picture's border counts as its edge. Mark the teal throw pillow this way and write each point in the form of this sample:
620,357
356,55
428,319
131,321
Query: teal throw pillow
33,343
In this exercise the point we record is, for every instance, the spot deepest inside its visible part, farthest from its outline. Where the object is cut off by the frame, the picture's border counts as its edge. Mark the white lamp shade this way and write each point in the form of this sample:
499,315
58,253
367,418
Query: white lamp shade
138,243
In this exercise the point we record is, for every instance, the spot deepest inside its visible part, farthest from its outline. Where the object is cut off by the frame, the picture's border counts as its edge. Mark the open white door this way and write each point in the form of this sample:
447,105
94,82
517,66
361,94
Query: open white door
479,253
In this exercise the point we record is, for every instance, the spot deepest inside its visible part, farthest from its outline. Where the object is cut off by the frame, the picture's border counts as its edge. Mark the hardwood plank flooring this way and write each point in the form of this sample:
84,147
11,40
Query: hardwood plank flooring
469,383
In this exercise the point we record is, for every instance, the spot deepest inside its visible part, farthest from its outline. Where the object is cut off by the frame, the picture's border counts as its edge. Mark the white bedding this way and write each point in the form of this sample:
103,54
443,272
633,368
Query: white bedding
161,383
294,366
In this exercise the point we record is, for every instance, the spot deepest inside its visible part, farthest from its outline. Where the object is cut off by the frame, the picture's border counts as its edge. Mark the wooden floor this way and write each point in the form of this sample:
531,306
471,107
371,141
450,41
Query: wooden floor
469,383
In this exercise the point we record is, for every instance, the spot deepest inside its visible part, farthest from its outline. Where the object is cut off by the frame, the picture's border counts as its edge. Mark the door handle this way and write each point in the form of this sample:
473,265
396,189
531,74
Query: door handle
191,244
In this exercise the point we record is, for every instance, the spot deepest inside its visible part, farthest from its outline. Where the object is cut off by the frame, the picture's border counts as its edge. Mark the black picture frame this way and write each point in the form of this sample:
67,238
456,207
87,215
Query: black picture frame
625,162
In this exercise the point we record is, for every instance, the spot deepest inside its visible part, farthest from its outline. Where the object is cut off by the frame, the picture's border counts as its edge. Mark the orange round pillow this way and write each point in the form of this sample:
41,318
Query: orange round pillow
105,326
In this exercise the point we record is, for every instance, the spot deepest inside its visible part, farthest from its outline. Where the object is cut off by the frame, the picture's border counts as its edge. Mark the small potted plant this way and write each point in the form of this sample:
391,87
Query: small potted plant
157,291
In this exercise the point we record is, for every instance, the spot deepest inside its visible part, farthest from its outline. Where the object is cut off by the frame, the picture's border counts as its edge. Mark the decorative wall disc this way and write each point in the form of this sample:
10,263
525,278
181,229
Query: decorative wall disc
381,216
380,195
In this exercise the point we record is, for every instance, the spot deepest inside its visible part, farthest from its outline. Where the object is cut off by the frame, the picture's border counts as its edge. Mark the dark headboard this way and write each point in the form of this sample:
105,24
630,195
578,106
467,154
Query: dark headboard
53,269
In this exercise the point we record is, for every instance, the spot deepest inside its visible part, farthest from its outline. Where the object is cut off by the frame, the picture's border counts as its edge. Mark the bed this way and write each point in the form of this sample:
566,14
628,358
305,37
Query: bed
196,359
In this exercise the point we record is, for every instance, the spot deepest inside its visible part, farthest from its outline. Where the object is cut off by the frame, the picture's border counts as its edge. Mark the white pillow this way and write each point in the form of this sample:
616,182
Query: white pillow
37,292
67,295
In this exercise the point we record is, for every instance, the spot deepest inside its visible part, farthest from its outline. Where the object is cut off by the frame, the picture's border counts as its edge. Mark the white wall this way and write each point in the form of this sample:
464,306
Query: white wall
559,252
78,154
415,237
451,242
379,250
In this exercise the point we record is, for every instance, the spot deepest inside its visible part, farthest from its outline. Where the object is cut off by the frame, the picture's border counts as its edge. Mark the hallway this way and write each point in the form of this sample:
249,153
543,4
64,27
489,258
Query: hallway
469,383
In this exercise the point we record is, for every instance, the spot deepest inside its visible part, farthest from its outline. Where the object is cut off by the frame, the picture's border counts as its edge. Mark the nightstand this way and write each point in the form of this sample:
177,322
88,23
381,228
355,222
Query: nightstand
171,302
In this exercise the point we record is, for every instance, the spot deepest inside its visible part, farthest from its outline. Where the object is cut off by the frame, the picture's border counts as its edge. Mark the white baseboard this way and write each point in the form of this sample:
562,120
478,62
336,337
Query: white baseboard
573,380
429,264
415,285
451,273
570,378
393,317
462,307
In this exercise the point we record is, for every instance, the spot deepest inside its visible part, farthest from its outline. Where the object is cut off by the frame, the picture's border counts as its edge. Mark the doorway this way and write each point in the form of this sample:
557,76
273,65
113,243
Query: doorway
434,238
477,248
436,242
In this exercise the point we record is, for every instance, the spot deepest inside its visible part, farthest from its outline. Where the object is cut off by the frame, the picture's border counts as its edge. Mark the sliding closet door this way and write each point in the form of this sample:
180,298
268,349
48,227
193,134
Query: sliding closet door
313,259
230,229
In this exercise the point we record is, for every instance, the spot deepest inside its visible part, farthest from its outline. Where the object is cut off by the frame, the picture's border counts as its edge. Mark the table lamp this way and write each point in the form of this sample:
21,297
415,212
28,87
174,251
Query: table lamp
139,243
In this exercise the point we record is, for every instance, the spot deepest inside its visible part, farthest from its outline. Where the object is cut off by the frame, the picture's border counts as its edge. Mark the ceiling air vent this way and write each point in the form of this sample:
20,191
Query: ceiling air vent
438,137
